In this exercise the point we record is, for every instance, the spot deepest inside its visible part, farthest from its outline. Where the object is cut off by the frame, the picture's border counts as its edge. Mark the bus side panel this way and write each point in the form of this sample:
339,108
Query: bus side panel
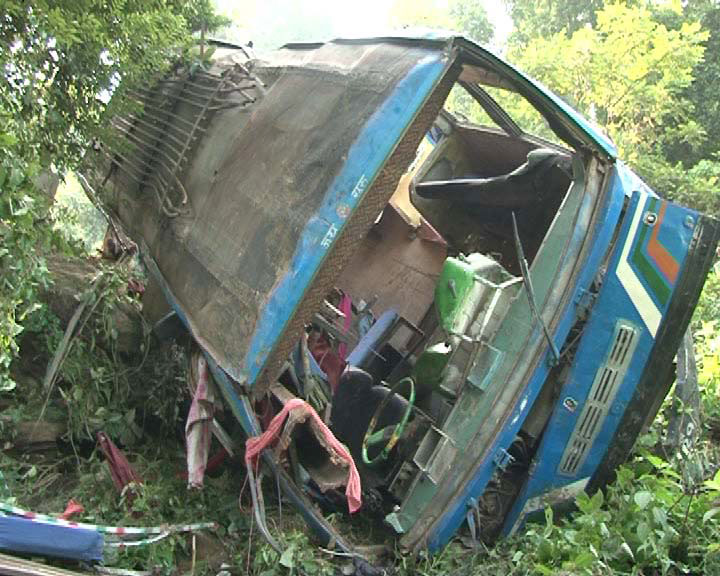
614,352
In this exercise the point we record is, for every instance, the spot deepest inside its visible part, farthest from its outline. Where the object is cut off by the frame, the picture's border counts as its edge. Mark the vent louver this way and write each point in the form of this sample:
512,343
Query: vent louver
602,394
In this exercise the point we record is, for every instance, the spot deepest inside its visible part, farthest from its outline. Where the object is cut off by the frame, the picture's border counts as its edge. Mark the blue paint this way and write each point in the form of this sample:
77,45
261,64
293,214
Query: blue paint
365,159
612,304
630,181
365,349
674,234
23,536
448,524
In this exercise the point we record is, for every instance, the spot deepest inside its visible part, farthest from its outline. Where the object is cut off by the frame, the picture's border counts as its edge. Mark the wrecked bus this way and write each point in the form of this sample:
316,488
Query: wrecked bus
445,266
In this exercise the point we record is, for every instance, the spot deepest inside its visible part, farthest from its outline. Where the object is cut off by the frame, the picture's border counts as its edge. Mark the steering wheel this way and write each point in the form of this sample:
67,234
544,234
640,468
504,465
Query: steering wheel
390,434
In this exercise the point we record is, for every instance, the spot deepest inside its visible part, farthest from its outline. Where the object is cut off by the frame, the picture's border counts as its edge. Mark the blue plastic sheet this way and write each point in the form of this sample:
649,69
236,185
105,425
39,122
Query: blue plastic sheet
25,536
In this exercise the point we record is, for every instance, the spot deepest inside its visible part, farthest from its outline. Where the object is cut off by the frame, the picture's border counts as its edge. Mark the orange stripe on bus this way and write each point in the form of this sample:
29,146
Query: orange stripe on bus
664,260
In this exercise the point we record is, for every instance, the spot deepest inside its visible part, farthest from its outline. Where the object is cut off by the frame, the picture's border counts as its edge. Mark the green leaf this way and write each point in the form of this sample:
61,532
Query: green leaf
7,140
710,514
642,499
604,532
548,521
7,385
209,51
660,515
287,558
544,570
584,559
713,484
642,531
583,503
624,547
656,461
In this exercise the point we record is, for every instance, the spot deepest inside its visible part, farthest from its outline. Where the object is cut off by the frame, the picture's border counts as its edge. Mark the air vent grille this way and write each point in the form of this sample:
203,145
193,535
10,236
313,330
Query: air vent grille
602,394
624,342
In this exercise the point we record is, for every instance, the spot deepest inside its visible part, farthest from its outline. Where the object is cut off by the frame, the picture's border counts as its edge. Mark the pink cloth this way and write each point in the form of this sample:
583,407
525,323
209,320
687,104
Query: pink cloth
72,509
197,428
254,446
327,359
121,471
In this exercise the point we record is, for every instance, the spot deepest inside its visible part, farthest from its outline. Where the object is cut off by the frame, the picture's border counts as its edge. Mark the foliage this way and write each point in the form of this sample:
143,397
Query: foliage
707,351
544,18
649,104
651,520
61,61
701,94
469,18
703,91
630,101
299,556
636,69
101,389
22,266
76,217
60,58
696,186
648,522
199,15
163,498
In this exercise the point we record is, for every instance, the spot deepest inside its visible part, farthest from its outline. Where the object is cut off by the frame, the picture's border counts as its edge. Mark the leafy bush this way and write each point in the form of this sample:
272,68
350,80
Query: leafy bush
650,521
61,62
22,248
707,352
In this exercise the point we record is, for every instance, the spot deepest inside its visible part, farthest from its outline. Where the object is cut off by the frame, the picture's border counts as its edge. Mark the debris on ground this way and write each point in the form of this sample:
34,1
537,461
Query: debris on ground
121,471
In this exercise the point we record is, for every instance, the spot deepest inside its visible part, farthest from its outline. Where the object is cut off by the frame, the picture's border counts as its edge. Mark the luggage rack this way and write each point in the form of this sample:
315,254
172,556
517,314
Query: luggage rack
156,141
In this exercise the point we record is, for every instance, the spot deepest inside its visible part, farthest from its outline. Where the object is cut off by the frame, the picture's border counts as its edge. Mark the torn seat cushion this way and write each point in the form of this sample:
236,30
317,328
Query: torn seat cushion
513,190
340,467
